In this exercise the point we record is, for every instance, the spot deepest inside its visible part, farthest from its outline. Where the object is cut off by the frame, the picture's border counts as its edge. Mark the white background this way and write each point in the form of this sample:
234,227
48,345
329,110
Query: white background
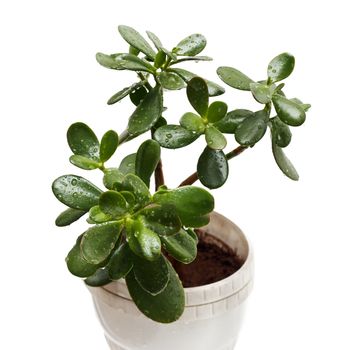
49,78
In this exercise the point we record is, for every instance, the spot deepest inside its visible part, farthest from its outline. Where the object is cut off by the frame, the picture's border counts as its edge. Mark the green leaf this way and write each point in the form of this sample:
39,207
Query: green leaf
214,138
127,165
174,136
124,61
97,216
161,219
192,122
191,45
280,67
191,203
213,88
251,130
98,241
99,278
76,263
165,307
138,95
158,44
147,158
261,93
108,145
212,168
129,197
133,51
192,234
147,112
76,192
84,162
171,81
114,204
69,216
288,111
142,241
181,246
136,185
191,58
83,141
198,96
160,59
284,163
232,120
216,111
132,37
120,263
152,276
123,93
234,78
112,176
281,133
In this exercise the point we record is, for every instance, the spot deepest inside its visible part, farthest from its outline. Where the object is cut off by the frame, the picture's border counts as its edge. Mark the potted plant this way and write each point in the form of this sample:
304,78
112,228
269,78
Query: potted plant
140,249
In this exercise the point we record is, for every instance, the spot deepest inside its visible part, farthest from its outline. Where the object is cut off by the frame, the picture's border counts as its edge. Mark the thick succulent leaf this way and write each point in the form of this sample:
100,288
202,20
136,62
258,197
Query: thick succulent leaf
76,192
132,37
147,158
136,185
112,176
160,59
127,165
155,40
138,95
97,216
142,241
191,58
192,122
99,278
191,45
147,112
261,92
280,67
114,204
152,276
84,162
288,111
165,307
232,120
190,202
181,246
214,138
234,78
212,168
99,240
284,163
118,96
76,263
161,219
174,136
133,51
216,111
251,130
198,96
69,216
213,88
124,61
108,145
120,263
281,133
171,81
192,234
83,141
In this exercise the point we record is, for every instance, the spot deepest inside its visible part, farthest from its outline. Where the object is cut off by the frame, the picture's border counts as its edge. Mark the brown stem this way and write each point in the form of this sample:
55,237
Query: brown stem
159,176
232,154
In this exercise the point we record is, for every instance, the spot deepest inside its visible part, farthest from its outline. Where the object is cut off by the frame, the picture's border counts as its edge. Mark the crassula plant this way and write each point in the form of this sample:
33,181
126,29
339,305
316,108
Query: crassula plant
135,233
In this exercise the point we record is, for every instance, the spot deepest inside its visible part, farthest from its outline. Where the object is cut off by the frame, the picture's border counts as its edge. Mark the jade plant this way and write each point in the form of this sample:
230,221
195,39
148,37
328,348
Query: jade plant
135,233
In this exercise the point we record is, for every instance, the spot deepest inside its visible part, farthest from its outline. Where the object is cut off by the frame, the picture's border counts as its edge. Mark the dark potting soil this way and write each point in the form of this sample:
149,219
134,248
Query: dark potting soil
215,261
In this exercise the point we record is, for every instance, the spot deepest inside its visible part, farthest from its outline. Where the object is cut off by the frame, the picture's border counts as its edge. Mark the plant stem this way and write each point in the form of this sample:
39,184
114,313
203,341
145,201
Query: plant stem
159,176
232,154
145,81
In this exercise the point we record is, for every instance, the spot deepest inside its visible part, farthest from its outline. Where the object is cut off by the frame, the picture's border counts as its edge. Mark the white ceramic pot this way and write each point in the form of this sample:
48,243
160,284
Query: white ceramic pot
212,317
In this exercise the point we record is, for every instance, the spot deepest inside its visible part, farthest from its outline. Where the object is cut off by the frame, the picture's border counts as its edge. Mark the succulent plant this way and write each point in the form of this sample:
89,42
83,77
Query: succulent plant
133,232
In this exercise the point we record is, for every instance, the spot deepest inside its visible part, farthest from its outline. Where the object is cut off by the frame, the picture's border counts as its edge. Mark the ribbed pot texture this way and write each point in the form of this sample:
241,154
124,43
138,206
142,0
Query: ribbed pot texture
213,313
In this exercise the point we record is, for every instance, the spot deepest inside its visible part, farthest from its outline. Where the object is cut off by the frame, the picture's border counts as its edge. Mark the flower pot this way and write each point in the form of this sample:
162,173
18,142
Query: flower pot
212,317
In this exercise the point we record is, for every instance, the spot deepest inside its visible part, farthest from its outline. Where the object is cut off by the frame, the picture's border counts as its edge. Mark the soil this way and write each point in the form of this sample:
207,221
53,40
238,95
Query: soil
215,261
